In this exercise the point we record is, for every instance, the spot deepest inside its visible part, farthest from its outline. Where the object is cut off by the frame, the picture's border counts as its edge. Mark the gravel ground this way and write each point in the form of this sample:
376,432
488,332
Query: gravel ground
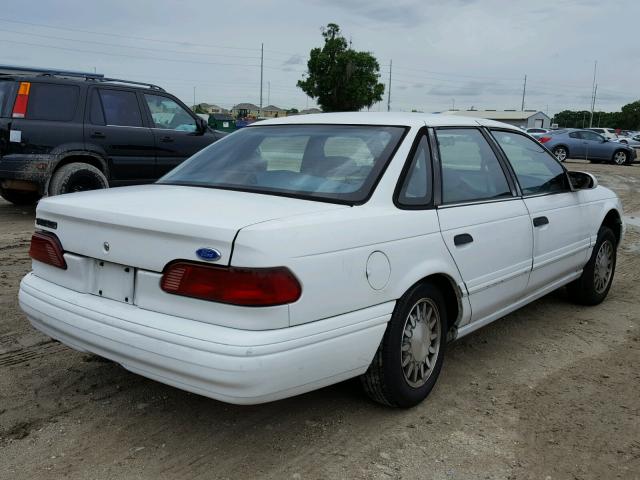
551,391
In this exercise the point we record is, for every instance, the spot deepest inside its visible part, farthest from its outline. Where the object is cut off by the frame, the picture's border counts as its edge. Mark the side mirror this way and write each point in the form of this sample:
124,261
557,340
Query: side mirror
201,125
605,139
582,180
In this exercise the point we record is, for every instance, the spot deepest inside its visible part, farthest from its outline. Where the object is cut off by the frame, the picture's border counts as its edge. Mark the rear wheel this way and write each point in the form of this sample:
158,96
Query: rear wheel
593,285
409,358
20,197
620,157
561,153
77,177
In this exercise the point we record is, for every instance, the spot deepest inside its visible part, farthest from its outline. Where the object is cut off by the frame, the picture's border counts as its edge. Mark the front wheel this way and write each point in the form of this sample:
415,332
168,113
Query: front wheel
409,359
561,153
593,285
620,157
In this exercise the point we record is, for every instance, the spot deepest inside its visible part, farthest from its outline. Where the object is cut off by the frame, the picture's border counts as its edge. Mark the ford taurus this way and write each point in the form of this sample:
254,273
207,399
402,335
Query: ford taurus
300,252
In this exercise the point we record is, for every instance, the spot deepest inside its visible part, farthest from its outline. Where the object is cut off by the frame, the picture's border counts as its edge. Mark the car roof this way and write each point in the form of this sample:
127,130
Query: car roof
408,119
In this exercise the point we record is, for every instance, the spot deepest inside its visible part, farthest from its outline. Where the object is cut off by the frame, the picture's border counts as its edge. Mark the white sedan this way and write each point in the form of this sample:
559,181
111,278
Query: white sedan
300,252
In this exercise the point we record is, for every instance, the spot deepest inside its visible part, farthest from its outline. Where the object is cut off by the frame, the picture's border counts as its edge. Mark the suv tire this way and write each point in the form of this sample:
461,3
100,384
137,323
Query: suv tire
19,197
77,177
409,359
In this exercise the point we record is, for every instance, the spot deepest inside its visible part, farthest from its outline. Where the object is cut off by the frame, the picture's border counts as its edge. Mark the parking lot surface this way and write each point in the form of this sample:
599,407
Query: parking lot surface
550,391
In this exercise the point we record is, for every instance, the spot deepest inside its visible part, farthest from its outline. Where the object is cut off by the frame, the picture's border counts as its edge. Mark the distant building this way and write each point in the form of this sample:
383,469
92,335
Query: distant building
210,108
243,110
307,111
271,111
517,118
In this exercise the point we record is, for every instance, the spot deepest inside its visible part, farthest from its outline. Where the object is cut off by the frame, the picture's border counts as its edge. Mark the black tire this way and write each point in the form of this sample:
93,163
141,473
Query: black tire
77,177
386,381
620,157
561,152
19,197
585,289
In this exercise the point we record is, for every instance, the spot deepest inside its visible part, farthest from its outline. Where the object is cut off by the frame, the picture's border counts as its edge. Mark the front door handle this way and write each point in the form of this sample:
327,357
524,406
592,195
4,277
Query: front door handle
462,239
97,135
540,221
166,139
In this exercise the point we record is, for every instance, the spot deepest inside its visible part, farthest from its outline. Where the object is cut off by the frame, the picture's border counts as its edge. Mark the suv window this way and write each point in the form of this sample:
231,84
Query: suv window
167,114
575,135
49,101
470,169
416,189
120,108
537,171
6,88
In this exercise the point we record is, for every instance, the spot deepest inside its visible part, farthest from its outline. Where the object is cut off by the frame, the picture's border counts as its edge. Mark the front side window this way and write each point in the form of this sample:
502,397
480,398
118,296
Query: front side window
121,108
49,101
594,137
331,162
416,188
470,169
537,171
167,114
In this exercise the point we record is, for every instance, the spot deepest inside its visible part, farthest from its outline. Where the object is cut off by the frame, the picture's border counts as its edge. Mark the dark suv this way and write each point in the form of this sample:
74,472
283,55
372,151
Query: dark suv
65,131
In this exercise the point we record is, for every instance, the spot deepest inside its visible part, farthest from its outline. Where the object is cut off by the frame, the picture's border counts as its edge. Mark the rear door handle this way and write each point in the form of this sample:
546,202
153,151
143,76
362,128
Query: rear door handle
97,135
166,139
462,239
540,221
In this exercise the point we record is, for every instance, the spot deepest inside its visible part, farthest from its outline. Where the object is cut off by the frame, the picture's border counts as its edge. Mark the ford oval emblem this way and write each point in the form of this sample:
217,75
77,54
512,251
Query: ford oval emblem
208,254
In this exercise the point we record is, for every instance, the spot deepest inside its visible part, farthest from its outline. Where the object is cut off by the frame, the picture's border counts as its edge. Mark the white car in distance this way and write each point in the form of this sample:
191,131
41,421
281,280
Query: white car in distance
300,252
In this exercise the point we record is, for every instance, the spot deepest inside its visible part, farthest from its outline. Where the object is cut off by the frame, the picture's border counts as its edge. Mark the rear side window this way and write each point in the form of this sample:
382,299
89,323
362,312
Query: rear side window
96,114
538,172
416,189
121,108
470,169
6,91
48,101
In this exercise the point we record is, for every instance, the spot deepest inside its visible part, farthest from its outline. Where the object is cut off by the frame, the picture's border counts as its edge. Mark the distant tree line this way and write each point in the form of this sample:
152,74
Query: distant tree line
627,119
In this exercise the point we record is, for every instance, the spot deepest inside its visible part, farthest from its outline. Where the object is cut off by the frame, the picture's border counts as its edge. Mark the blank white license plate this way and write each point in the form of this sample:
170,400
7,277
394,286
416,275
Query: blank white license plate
113,281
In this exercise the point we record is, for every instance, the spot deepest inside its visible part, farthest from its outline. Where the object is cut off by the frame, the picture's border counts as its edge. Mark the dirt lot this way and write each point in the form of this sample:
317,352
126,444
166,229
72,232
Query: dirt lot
549,392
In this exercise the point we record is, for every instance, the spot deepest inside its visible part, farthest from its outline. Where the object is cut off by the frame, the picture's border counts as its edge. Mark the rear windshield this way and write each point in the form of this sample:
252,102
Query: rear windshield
6,89
330,162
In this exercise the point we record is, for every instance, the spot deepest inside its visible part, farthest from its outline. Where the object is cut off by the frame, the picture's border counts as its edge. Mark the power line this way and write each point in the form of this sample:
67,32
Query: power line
389,92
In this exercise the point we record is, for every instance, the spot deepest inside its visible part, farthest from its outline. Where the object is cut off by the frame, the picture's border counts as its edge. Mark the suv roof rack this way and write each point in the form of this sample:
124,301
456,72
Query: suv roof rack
97,77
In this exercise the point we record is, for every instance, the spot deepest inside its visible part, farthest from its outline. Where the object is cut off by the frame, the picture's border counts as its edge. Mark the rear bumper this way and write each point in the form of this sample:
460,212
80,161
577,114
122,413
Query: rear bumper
34,169
231,365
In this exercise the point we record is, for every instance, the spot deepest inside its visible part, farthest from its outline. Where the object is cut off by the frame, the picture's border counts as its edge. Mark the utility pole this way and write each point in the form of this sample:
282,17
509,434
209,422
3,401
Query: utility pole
269,92
261,73
194,98
593,93
453,104
524,91
389,92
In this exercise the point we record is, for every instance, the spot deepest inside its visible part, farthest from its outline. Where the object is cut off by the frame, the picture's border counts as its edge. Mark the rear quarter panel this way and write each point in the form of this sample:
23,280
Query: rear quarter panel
329,254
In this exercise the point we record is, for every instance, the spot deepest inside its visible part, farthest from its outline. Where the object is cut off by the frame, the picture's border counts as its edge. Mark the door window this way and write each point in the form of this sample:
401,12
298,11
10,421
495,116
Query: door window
121,108
416,189
594,137
167,114
470,169
49,101
537,171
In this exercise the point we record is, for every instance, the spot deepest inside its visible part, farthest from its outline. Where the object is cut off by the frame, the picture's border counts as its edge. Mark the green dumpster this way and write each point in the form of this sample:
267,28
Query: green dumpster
222,121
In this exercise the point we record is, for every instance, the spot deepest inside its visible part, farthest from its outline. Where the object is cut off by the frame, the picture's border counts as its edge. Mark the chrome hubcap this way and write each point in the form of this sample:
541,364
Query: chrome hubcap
420,342
603,267
620,158
561,154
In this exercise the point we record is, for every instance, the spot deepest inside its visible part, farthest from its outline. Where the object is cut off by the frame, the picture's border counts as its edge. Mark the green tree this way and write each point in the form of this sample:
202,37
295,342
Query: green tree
340,78
630,116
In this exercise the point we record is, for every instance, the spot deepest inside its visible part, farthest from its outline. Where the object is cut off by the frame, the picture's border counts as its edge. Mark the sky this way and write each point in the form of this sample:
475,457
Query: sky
454,54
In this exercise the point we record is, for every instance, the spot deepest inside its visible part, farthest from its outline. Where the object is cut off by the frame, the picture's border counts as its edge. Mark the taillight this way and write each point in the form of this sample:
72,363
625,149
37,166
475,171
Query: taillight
544,139
250,287
20,106
46,248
